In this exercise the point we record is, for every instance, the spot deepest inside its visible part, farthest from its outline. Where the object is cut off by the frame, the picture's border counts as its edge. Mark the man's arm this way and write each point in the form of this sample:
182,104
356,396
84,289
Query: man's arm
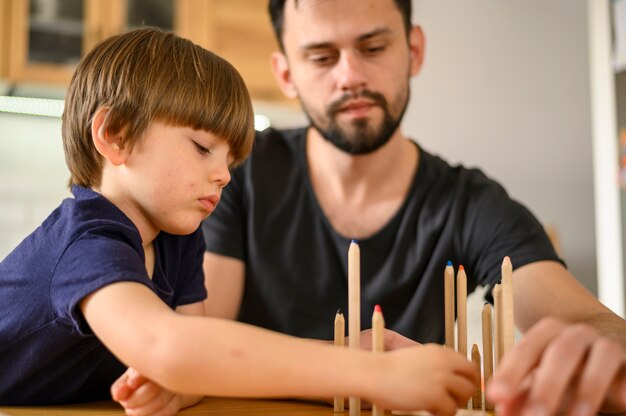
573,347
548,289
224,280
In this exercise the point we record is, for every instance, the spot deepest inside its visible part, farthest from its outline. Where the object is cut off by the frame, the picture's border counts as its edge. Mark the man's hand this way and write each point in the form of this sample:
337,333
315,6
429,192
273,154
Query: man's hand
561,367
139,396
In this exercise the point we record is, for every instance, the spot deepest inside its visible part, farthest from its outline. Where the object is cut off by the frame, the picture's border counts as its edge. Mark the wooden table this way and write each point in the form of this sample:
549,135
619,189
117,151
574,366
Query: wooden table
208,406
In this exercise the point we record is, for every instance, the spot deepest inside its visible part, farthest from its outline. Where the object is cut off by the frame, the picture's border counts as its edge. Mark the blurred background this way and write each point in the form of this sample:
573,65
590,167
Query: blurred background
528,91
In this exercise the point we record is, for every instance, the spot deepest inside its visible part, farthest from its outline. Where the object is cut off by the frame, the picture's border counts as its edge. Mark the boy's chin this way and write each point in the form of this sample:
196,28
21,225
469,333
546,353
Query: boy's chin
183,229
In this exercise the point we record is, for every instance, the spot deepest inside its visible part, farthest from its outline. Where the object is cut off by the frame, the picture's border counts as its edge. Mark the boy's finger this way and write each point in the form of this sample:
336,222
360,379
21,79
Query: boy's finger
120,391
135,380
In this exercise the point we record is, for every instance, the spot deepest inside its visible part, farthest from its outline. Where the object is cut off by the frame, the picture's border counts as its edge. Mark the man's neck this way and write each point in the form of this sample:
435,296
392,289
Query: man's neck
360,193
351,174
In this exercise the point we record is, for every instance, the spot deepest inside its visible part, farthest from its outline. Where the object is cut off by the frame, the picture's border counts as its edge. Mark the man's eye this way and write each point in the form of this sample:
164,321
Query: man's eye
201,149
373,50
321,59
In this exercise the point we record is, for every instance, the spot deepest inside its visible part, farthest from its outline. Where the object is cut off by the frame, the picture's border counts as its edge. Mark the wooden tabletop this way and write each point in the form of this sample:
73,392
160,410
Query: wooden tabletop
208,406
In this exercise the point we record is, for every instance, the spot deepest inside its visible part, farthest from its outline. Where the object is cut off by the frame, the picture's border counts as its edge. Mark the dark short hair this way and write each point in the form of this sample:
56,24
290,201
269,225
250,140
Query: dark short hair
149,75
277,14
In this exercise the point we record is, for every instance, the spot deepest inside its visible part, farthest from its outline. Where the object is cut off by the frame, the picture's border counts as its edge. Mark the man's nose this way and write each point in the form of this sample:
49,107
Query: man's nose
350,73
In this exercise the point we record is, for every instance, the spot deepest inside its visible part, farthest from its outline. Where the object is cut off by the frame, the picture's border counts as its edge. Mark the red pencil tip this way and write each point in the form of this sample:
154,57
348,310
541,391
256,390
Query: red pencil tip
377,308
461,267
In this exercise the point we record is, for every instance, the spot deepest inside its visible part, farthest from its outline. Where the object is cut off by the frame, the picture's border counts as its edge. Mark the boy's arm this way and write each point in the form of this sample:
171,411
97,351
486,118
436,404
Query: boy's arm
224,280
140,395
201,355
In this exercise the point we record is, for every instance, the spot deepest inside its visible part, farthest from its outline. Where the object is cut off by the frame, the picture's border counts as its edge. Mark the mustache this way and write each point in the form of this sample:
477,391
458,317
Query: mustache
377,98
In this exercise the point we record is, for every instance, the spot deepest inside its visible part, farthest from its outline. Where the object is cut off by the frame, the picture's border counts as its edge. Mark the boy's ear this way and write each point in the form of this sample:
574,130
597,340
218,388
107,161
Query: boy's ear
280,69
109,146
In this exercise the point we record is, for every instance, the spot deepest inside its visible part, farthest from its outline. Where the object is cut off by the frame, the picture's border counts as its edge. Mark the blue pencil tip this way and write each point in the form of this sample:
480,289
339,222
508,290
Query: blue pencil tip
449,263
355,242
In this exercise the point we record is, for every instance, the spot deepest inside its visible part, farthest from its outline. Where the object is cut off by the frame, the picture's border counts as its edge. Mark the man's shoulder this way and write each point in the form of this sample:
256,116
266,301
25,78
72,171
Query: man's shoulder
437,167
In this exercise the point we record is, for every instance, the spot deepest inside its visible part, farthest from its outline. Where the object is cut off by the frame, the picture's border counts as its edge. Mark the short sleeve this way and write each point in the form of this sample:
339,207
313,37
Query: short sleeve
91,262
497,226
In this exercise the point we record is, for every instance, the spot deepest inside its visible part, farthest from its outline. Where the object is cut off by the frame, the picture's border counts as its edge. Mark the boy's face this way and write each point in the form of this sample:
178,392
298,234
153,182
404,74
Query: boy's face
174,178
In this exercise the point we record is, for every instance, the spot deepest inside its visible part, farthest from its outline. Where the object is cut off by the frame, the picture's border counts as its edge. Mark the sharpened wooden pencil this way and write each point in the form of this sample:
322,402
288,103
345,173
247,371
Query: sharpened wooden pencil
448,280
378,344
487,350
461,311
354,310
508,321
340,341
477,398
497,333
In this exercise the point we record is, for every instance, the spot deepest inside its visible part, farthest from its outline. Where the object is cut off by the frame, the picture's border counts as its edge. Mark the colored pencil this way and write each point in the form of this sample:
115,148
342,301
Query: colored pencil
354,310
448,276
487,350
378,344
340,341
508,321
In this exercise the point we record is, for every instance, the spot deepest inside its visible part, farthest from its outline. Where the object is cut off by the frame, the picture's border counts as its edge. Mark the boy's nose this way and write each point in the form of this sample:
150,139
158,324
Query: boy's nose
221,175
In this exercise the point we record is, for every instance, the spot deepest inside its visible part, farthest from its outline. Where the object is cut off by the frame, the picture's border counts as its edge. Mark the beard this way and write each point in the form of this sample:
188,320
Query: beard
362,136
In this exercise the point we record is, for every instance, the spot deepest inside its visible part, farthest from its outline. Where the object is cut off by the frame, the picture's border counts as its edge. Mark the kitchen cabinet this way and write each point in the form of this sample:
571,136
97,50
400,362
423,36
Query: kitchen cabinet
41,41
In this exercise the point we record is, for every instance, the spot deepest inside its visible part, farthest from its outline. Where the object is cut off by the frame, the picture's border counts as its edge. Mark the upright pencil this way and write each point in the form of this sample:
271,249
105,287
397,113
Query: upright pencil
498,349
378,344
340,341
477,398
487,350
354,309
448,281
461,311
508,321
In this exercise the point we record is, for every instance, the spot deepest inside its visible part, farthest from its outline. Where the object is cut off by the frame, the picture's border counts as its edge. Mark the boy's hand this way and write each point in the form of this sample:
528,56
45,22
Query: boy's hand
430,377
139,396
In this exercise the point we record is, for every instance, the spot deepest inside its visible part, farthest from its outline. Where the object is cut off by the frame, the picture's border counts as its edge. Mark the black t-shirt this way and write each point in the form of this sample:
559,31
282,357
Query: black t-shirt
296,263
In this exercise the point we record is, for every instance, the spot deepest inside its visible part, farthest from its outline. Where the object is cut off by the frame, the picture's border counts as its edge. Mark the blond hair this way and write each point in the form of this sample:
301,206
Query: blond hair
146,75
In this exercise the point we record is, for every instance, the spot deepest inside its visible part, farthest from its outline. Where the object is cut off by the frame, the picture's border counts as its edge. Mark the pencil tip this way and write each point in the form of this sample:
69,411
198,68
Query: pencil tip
354,242
339,311
377,308
449,263
461,267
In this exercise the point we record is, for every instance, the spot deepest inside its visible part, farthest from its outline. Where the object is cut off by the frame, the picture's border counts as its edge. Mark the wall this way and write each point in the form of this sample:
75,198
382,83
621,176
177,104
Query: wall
33,175
505,86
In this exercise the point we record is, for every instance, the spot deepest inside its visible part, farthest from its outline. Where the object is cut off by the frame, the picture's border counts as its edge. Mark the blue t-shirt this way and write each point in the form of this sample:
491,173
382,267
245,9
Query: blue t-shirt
48,353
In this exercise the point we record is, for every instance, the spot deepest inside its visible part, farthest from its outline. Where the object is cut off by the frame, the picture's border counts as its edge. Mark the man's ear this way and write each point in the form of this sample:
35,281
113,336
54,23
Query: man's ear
280,69
417,45
109,146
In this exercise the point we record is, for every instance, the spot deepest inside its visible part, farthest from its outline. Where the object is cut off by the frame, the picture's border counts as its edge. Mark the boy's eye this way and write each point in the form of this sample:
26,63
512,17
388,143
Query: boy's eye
201,149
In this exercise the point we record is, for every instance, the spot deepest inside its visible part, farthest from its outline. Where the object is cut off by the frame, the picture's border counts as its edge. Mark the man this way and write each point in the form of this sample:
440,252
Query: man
277,251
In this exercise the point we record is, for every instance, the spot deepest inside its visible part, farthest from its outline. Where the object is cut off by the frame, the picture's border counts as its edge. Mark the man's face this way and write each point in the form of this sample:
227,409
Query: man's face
350,64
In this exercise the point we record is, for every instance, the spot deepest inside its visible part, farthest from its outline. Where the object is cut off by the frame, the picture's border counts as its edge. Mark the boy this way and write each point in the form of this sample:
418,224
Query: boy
113,277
